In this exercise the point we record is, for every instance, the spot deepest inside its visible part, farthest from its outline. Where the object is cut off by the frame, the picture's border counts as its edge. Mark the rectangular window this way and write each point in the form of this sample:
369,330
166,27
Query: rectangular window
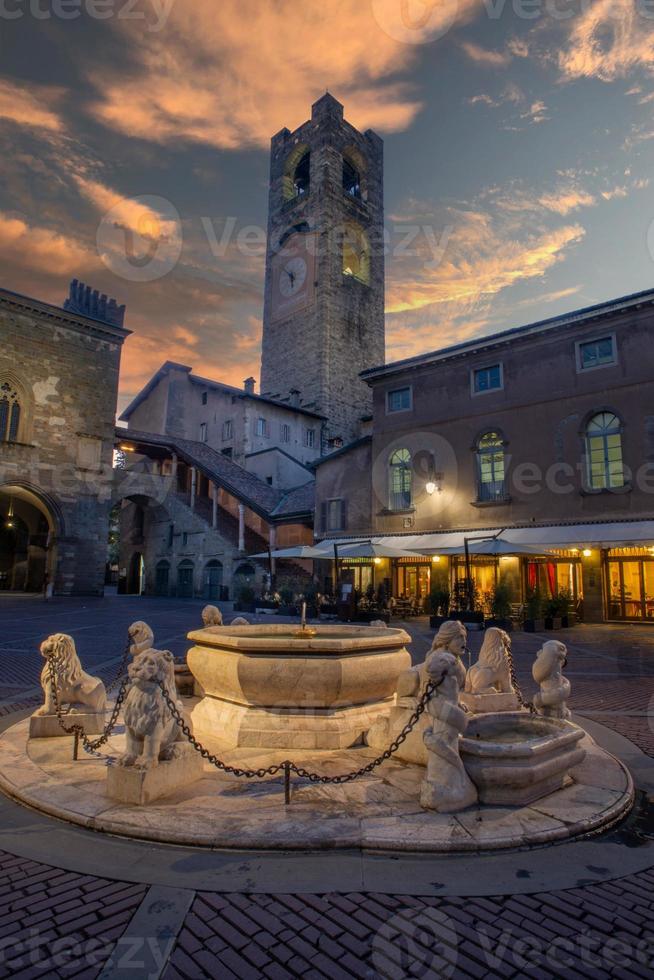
205,397
171,532
227,453
310,438
399,400
335,515
227,430
286,432
487,379
203,432
261,427
596,353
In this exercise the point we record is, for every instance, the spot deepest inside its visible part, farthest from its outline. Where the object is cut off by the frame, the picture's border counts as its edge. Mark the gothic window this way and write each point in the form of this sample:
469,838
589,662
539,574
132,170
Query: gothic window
10,412
400,480
604,452
490,467
356,253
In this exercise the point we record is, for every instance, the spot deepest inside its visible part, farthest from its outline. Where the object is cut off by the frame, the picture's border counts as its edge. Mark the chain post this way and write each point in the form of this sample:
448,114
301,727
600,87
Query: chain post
76,747
287,783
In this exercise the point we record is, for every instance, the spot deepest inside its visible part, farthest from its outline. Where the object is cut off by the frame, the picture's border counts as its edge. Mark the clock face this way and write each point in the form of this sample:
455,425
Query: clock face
292,277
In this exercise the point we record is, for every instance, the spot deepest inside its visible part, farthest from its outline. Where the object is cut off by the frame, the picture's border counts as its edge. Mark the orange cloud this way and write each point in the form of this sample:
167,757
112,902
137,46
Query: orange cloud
607,41
231,74
482,56
30,105
41,249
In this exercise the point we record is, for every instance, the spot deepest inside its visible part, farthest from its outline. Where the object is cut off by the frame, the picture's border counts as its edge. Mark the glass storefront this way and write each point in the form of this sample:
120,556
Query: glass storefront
484,574
357,572
413,580
630,584
551,576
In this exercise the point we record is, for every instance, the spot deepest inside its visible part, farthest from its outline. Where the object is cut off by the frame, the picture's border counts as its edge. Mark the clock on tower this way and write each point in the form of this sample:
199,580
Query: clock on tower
324,302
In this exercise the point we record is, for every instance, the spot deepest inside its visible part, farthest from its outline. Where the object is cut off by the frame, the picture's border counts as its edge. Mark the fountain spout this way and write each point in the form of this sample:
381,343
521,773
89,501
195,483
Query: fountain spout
305,631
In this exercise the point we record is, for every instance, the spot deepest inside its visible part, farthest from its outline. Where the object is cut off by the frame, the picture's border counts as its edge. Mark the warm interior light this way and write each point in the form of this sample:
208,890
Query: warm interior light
430,487
436,558
127,447
587,552
378,561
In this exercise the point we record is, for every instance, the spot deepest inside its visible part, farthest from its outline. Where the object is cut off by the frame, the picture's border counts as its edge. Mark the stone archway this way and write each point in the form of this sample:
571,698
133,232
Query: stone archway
30,526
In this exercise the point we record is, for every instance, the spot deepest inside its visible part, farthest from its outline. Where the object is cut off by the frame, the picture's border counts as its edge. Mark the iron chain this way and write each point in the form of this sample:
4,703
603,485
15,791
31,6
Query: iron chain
287,765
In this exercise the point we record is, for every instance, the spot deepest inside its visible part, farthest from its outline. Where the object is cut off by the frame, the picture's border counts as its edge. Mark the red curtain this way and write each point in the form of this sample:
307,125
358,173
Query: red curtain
532,575
551,577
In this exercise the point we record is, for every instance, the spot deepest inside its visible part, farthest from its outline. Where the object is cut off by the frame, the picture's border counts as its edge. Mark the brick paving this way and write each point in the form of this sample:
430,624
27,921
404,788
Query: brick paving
61,924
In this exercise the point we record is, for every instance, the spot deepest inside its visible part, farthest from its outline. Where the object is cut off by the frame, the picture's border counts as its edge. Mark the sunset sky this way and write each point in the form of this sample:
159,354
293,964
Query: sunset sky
519,142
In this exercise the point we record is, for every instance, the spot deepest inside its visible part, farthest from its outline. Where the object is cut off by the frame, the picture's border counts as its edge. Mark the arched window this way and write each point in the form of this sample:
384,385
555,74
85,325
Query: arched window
604,452
351,180
10,412
297,173
490,467
400,480
356,253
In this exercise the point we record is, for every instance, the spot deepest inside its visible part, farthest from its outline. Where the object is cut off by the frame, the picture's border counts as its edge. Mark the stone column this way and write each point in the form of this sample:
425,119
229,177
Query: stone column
241,527
214,507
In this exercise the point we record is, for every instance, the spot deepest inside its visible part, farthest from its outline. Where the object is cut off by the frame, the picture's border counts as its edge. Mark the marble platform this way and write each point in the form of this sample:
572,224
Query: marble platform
378,812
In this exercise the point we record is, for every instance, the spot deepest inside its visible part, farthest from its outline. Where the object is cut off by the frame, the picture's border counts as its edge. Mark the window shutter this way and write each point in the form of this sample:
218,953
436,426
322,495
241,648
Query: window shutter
344,515
323,516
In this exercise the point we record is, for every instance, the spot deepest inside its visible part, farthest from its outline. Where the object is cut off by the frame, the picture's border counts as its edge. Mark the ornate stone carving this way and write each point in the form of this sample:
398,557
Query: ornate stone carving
84,693
141,636
212,616
554,687
447,786
151,730
488,685
379,624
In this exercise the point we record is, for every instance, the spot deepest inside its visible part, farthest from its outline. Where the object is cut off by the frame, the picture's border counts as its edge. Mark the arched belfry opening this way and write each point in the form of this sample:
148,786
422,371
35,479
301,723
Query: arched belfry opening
297,173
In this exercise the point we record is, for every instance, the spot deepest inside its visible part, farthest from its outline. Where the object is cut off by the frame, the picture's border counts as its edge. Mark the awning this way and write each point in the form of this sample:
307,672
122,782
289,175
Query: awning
618,534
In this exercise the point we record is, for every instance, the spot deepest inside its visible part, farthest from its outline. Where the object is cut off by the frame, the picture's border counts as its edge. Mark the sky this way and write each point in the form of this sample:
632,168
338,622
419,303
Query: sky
519,143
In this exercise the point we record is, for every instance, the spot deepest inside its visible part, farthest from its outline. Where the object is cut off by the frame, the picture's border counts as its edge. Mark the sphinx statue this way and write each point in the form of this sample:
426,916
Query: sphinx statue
141,637
452,639
488,685
447,786
212,616
551,700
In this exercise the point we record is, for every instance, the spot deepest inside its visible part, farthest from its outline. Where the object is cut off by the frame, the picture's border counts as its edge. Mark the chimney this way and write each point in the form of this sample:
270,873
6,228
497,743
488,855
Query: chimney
248,386
294,398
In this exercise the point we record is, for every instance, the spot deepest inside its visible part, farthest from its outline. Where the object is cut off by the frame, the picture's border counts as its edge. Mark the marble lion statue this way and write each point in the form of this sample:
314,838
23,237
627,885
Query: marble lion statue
212,616
141,636
491,673
151,730
551,700
75,687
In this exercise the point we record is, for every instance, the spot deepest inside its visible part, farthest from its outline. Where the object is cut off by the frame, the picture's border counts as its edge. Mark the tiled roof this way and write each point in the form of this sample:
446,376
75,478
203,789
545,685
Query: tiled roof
269,502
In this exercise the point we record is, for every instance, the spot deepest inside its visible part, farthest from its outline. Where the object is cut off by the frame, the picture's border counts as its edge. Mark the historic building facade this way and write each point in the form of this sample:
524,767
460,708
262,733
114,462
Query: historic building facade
545,433
324,295
58,387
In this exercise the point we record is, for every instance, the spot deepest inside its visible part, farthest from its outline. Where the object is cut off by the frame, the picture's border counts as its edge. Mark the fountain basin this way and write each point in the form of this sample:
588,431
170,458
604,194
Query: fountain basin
515,758
264,686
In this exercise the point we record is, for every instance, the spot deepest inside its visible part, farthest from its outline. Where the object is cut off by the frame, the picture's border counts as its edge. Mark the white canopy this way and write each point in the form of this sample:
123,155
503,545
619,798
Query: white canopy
618,534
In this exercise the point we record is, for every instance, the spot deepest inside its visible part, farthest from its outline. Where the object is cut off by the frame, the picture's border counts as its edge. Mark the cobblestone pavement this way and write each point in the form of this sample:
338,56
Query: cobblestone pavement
55,923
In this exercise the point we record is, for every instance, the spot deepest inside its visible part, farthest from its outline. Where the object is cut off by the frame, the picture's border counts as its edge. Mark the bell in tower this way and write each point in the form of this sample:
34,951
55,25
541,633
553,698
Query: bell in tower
324,298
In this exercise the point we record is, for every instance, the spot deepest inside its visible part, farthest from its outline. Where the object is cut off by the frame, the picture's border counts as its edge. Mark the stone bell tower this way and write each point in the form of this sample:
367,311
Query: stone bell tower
324,298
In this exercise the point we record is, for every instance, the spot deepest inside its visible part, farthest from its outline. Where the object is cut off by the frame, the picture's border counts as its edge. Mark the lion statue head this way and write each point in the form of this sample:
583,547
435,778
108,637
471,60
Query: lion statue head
141,636
60,649
153,667
240,621
212,616
494,648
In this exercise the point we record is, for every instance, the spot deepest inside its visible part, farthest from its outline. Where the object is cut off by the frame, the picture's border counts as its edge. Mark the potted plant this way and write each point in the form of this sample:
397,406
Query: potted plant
439,606
551,612
245,599
566,612
466,600
500,605
287,599
534,623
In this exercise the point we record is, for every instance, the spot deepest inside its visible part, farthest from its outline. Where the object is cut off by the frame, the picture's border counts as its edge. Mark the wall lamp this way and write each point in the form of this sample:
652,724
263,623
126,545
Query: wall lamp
435,484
